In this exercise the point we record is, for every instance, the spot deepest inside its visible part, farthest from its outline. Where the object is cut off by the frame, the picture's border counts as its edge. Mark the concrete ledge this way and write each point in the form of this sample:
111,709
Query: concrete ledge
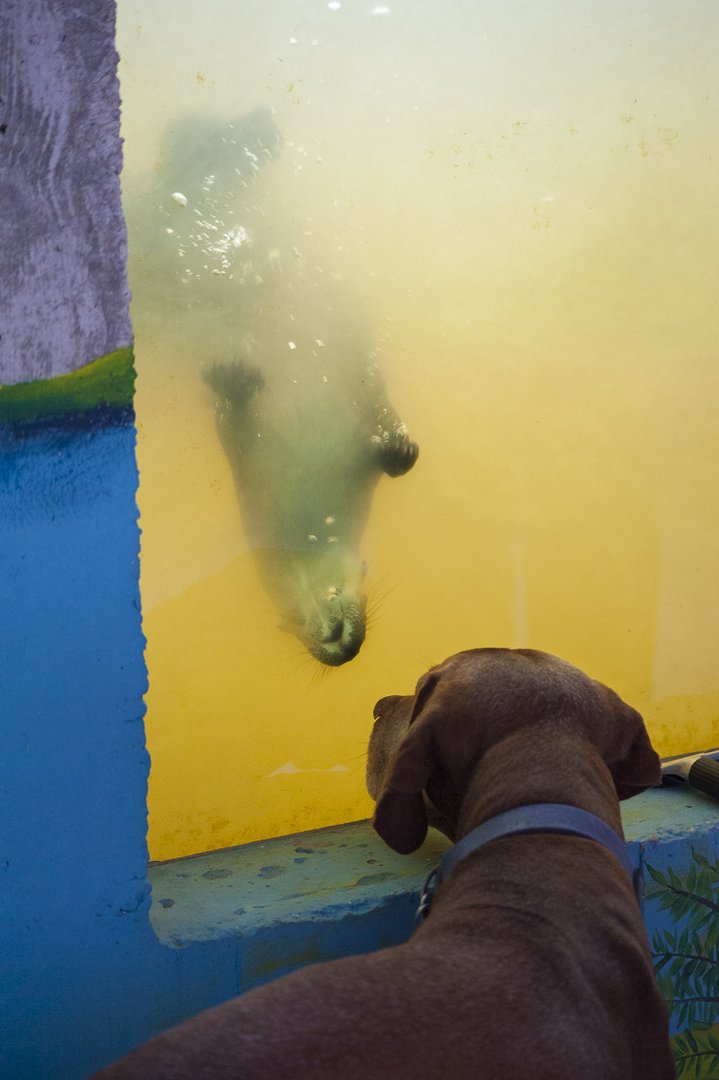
281,903
278,904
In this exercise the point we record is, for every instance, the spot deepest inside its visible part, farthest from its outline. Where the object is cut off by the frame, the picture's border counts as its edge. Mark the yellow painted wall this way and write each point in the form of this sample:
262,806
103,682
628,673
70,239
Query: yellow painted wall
524,196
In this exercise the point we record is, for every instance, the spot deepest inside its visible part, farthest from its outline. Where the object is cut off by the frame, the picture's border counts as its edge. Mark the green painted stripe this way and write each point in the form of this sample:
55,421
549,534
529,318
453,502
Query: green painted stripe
109,380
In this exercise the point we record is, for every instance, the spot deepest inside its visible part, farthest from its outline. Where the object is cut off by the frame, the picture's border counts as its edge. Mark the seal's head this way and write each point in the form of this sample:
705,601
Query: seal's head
322,600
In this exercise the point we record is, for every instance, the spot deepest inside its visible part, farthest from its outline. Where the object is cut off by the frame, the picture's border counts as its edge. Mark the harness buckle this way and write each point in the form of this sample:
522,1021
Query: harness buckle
425,899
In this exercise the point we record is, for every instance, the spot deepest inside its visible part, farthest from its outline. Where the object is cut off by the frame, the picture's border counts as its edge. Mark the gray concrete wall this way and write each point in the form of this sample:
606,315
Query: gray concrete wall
63,289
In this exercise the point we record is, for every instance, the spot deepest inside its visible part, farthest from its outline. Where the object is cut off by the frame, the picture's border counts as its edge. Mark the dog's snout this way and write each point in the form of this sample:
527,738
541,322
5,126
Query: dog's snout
384,707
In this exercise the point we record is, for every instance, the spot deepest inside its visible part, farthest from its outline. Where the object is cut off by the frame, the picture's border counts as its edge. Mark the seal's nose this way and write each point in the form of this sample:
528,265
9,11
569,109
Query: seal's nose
336,638
335,631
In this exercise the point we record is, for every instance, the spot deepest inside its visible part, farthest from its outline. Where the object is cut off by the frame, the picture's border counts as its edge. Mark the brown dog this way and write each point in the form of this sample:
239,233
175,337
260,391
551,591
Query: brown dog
533,963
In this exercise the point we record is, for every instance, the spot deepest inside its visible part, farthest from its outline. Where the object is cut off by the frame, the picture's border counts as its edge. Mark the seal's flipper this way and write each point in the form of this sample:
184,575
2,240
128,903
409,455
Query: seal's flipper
234,383
395,450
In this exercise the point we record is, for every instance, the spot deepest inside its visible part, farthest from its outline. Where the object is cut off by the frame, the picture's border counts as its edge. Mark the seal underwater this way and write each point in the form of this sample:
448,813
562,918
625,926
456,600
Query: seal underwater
307,427
243,272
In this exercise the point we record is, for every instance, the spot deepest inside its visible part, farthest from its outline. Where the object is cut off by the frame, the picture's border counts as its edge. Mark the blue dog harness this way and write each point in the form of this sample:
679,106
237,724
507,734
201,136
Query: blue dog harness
535,818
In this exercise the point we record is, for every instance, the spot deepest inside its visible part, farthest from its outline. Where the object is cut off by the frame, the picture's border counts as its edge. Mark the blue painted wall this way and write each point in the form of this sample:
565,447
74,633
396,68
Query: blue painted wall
74,764
82,975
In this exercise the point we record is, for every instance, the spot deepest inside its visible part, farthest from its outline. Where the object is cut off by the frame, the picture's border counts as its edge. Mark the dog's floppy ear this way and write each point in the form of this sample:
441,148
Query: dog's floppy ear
400,817
632,760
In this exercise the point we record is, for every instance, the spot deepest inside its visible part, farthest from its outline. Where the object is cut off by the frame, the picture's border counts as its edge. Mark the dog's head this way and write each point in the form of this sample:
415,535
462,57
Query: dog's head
423,749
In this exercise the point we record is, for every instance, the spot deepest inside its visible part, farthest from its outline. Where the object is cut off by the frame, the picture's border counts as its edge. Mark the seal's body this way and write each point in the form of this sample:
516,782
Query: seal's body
189,226
307,438
240,282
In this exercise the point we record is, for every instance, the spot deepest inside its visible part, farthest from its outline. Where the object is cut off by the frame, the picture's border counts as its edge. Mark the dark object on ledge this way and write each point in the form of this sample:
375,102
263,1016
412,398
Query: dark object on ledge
700,771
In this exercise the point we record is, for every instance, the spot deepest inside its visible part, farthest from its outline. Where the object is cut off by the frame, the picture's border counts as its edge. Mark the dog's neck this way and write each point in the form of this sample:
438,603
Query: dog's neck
551,767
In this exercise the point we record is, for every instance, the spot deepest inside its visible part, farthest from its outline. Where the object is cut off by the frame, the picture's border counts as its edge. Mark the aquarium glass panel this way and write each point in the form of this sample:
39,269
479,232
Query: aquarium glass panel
424,300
